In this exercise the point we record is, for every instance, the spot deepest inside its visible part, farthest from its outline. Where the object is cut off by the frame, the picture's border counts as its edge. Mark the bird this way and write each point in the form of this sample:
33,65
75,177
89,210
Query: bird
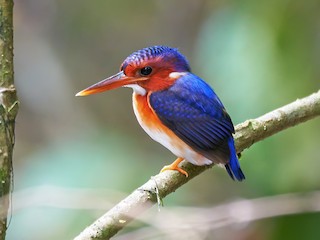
176,108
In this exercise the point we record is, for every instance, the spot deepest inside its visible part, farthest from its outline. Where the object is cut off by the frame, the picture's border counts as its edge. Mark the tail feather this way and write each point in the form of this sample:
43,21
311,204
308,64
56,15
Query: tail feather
233,167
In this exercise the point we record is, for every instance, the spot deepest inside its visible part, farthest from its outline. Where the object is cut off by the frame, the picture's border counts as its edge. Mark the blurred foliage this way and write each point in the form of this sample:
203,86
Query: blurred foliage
257,55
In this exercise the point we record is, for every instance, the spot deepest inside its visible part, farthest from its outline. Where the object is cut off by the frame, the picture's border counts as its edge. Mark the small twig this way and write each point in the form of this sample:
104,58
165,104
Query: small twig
156,191
247,133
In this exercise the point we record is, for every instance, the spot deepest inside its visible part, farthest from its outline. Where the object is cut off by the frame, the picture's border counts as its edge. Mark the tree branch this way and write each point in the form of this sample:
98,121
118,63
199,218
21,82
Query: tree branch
161,185
8,109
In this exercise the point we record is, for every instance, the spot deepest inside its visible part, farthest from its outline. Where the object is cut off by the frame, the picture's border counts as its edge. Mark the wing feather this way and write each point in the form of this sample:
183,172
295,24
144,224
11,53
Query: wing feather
192,110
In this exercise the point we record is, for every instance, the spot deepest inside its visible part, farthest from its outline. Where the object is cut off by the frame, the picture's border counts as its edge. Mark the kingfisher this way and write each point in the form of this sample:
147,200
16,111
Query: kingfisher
176,108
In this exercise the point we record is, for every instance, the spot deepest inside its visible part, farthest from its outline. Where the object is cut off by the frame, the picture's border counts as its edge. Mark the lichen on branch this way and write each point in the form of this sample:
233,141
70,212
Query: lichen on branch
8,109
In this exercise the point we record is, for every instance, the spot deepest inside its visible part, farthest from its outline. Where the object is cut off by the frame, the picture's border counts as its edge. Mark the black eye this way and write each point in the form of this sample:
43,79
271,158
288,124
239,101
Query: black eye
145,71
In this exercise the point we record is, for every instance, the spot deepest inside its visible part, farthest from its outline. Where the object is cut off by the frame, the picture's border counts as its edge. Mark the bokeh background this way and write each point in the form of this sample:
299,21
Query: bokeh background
76,157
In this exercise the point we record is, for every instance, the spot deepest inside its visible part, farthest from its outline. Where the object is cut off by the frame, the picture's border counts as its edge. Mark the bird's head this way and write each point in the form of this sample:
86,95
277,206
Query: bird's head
149,69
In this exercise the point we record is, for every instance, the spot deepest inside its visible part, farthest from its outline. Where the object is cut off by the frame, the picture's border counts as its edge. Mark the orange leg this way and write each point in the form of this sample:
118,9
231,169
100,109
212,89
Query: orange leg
174,166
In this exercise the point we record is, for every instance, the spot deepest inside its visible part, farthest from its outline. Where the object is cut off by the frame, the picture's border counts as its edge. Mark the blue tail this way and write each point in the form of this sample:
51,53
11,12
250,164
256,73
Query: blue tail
233,167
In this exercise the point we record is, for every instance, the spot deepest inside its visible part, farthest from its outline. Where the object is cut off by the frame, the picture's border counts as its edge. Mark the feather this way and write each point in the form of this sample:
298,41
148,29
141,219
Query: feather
192,110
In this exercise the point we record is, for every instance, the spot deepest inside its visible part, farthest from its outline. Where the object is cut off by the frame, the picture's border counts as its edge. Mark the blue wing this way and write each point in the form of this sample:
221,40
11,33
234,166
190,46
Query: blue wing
192,110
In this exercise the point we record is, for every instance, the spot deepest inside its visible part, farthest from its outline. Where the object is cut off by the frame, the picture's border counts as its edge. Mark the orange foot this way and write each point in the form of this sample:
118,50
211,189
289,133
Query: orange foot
174,166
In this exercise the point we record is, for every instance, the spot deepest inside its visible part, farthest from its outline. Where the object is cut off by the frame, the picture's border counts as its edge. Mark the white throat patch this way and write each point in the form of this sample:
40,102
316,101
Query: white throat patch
137,89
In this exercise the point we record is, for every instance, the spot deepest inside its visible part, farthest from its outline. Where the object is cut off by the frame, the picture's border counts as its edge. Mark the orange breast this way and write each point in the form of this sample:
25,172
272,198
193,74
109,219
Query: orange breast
152,125
148,118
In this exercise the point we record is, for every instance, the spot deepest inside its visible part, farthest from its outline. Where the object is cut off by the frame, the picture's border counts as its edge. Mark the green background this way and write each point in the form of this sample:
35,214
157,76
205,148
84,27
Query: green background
76,157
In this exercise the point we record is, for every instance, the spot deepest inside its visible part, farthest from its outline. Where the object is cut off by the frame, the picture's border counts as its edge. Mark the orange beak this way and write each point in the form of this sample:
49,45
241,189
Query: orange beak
115,81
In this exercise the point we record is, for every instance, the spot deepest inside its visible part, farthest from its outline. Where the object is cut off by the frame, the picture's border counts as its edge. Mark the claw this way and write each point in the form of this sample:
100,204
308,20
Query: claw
174,166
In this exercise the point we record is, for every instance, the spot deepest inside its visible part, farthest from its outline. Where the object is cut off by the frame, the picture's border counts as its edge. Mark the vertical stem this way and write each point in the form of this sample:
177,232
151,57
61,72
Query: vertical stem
8,110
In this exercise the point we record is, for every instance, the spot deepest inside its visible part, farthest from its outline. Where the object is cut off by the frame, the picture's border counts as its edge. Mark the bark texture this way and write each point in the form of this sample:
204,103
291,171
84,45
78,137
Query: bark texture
8,110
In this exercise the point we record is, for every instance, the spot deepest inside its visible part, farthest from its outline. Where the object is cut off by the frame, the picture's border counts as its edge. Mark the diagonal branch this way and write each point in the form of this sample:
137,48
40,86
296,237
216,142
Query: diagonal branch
247,133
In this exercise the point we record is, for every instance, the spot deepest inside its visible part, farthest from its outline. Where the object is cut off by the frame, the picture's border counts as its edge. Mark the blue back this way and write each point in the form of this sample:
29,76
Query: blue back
192,110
